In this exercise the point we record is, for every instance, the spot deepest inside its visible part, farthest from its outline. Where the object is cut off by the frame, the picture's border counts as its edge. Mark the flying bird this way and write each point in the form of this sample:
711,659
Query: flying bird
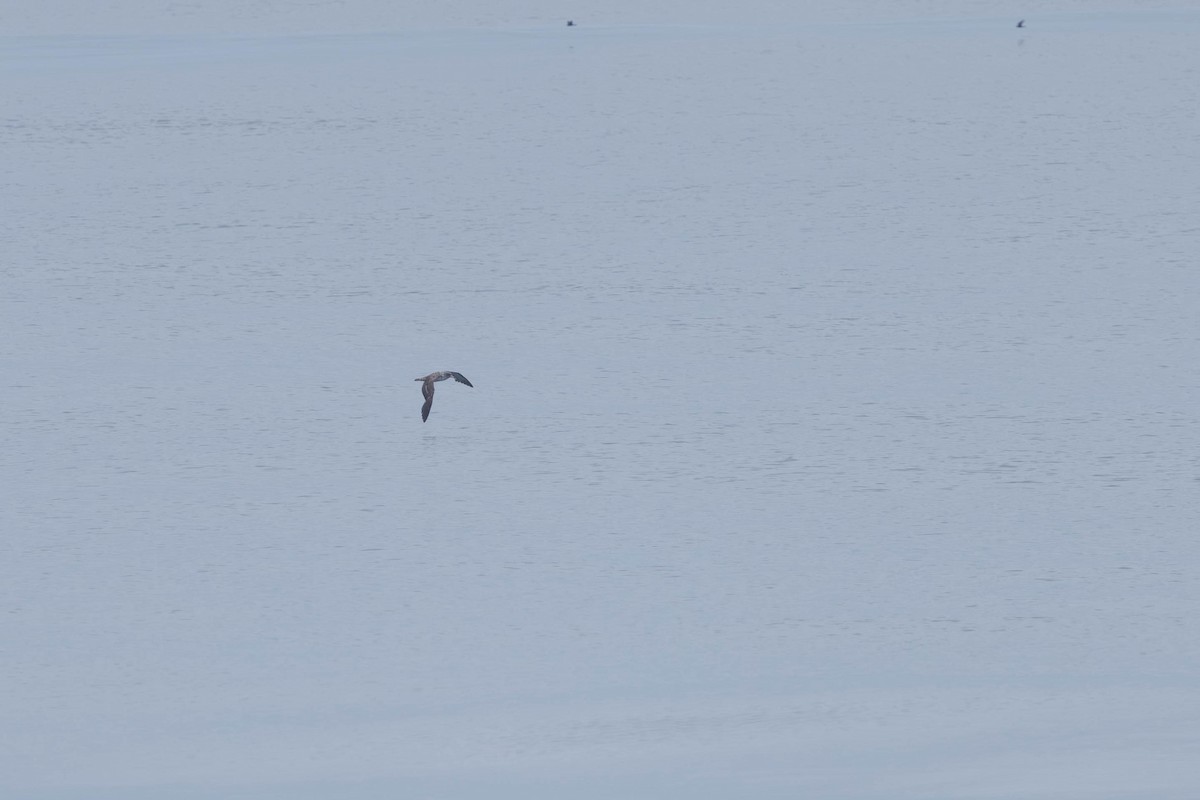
427,387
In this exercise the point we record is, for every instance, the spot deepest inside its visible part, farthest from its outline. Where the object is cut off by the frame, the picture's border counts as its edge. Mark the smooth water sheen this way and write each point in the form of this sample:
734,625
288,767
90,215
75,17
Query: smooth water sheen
834,430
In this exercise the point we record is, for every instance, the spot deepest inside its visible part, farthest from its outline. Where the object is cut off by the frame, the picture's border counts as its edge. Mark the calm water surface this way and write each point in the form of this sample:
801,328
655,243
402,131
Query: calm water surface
820,376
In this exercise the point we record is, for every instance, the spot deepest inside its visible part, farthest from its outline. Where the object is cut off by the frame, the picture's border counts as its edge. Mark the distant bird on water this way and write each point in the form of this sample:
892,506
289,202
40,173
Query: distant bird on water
427,388
1021,24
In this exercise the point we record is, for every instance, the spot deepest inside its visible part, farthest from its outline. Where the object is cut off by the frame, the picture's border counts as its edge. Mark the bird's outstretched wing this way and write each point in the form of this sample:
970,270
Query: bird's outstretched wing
427,390
458,377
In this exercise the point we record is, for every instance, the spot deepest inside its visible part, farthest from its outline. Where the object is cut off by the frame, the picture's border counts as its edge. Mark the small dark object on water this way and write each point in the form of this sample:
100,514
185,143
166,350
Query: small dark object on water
570,23
1021,24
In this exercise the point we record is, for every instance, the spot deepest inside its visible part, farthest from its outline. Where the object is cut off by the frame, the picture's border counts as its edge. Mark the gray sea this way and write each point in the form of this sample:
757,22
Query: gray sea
834,430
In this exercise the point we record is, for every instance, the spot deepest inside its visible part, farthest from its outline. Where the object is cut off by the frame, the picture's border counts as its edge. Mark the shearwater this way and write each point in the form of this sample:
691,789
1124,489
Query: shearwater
427,387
